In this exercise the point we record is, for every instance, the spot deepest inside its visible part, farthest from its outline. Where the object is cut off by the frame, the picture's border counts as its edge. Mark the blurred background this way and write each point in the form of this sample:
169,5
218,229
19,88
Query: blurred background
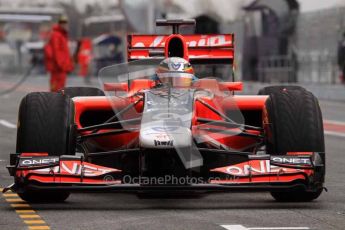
288,41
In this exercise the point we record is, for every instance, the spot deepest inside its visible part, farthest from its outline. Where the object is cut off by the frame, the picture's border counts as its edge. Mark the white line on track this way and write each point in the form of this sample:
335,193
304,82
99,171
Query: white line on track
8,124
241,227
336,134
281,228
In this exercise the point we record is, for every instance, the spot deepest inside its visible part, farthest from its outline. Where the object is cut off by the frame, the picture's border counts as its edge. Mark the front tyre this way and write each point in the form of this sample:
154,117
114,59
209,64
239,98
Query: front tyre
294,124
45,125
44,196
296,195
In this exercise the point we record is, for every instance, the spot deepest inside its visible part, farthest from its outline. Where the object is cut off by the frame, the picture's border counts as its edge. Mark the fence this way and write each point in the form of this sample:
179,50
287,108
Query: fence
318,68
277,69
305,68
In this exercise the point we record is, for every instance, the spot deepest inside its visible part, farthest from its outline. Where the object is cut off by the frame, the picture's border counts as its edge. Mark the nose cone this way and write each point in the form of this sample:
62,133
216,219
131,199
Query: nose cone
157,135
166,119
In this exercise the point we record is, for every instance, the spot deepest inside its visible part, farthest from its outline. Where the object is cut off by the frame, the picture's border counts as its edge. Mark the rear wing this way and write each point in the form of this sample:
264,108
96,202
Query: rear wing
198,49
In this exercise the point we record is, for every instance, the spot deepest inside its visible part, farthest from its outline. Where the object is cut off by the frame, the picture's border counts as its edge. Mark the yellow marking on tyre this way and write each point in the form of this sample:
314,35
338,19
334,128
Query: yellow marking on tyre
25,212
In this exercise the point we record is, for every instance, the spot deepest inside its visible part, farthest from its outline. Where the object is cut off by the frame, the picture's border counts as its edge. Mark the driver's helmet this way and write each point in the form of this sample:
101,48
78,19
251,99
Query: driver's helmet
176,72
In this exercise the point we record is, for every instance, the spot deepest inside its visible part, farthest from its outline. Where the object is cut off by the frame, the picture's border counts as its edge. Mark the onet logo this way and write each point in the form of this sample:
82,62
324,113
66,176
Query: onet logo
291,160
40,161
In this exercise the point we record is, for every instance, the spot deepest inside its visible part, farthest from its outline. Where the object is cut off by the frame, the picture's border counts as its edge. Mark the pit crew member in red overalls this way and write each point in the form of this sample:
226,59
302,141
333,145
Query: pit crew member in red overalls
57,56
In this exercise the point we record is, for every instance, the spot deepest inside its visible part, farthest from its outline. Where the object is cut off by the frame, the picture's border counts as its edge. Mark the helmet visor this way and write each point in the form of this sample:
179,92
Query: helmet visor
176,79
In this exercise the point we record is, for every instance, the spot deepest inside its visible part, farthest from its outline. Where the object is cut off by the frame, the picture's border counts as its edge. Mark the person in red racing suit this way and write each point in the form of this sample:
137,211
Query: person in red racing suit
57,56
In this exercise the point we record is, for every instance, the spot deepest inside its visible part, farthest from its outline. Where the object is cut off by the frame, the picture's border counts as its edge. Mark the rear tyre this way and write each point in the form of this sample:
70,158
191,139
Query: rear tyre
278,89
45,125
295,125
82,92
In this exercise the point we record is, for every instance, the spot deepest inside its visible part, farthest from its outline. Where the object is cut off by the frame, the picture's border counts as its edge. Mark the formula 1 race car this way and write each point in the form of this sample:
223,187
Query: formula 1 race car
168,121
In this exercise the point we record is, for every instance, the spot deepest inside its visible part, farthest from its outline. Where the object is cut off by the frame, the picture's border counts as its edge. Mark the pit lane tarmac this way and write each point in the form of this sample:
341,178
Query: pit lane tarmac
233,211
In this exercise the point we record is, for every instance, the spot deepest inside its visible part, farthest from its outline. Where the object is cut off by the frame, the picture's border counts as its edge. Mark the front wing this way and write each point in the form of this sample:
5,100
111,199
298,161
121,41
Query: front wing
258,173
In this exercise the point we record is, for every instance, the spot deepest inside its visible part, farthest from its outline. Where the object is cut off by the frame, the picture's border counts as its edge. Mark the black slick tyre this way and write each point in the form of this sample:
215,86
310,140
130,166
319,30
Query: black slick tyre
294,124
45,125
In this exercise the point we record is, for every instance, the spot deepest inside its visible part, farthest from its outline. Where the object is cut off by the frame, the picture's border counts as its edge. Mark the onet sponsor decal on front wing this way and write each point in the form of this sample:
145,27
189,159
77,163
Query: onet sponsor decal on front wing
291,160
38,161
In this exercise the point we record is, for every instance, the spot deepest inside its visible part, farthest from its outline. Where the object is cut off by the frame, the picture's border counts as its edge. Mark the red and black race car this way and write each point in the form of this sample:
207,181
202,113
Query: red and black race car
160,127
